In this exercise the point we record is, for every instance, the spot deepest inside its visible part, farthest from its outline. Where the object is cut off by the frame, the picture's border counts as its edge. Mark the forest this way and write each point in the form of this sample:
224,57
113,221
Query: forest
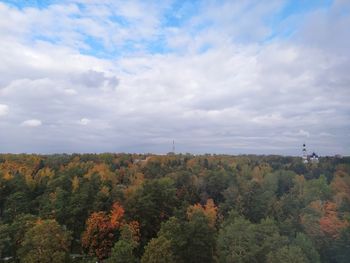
173,208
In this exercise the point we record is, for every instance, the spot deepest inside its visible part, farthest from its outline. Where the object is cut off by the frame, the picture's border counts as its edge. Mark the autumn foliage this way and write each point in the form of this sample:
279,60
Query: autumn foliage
101,231
116,215
173,208
330,223
209,210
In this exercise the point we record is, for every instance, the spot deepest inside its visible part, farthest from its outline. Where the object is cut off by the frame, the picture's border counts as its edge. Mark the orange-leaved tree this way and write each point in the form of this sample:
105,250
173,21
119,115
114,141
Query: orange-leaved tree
330,223
209,210
101,231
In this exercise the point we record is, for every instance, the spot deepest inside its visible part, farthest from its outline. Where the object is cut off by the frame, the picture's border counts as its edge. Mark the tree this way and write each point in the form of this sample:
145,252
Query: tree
187,189
5,241
240,240
317,189
287,254
215,183
47,242
200,239
99,235
174,205
116,215
18,229
122,252
285,181
341,187
341,249
152,204
307,248
209,210
174,230
130,232
192,241
267,238
158,250
16,204
236,242
101,231
330,223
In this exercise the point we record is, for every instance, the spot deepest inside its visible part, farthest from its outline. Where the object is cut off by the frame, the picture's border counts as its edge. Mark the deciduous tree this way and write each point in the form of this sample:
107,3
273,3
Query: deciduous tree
158,250
47,242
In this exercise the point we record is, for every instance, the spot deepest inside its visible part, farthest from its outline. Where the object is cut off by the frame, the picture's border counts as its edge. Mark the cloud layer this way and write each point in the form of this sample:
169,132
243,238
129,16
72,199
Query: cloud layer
223,77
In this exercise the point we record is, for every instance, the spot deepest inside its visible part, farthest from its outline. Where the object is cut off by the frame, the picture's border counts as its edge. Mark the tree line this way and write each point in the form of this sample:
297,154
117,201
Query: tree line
173,208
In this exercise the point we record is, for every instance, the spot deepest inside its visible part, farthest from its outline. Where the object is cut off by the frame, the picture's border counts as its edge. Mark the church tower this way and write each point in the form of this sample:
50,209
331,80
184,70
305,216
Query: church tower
304,156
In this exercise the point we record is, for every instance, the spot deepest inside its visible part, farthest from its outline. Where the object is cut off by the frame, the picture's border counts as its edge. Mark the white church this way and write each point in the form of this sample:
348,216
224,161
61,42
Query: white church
313,158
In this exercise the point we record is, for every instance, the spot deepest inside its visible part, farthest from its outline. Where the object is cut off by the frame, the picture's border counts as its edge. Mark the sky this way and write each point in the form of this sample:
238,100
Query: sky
232,77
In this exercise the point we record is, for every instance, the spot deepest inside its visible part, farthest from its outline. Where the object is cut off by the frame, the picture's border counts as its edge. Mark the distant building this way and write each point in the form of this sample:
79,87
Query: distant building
313,158
304,156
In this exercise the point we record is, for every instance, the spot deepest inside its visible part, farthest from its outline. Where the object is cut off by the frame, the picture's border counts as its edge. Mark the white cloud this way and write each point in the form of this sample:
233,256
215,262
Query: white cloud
4,110
231,98
84,121
70,91
303,133
32,123
70,25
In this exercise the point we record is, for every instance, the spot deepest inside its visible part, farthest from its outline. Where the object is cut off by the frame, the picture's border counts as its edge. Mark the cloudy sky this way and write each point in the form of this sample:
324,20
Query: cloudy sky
216,76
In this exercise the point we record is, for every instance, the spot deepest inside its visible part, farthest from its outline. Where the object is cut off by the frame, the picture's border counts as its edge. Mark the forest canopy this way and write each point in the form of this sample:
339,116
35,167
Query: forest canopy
173,208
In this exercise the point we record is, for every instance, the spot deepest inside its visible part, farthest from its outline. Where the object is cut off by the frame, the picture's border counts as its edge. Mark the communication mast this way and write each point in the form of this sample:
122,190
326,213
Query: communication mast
173,147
